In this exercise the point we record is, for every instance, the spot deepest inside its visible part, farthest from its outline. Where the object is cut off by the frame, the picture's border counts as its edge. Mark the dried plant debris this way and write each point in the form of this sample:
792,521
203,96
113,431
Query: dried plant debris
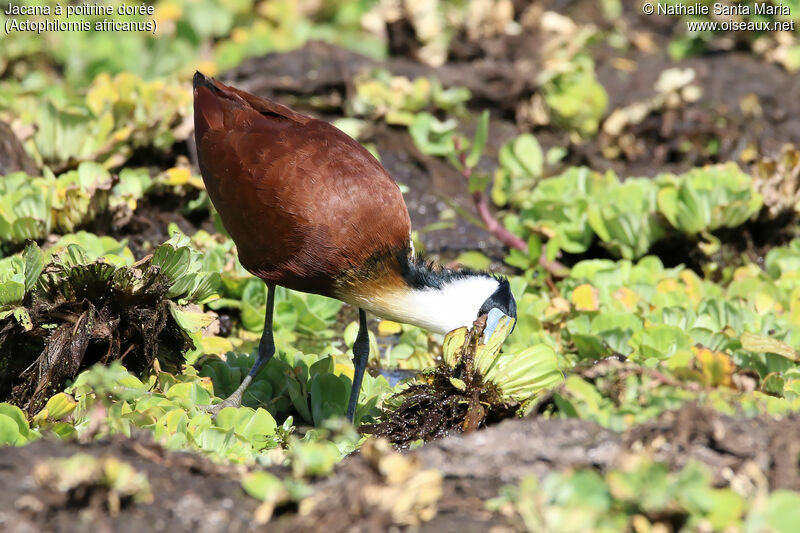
475,384
675,90
13,157
58,320
385,490
778,181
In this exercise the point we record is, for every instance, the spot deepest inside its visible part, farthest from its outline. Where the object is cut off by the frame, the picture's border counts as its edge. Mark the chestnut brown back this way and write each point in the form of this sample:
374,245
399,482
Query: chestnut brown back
301,199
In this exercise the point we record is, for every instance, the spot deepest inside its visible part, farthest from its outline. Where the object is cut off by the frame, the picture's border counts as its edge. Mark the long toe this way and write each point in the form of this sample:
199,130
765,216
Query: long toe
214,410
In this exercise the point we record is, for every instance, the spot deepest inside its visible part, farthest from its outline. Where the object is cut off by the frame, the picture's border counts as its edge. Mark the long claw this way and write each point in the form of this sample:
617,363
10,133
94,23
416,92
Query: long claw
234,400
266,349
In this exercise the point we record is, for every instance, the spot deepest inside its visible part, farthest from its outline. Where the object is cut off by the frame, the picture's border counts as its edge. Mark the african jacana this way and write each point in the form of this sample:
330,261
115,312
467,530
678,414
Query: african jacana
312,210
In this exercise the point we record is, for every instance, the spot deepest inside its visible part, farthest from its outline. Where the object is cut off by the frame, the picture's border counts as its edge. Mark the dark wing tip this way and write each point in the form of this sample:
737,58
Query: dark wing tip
201,80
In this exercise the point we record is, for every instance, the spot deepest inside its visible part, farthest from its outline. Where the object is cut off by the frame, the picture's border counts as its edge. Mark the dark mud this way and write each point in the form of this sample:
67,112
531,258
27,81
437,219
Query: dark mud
190,493
148,226
13,157
444,484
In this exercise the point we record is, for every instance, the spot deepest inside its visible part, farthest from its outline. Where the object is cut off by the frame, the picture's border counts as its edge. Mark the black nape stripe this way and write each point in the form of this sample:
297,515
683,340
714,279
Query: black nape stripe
420,273
501,299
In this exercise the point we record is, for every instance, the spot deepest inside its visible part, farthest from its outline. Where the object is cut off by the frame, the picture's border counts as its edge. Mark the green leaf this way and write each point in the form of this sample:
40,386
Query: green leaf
479,142
34,263
431,136
15,414
329,397
662,341
9,431
254,304
458,384
760,344
529,153
189,320
259,426
264,486
478,182
452,346
11,292
313,458
215,439
323,366
207,286
521,375
193,392
58,407
299,399
173,262
782,513
474,259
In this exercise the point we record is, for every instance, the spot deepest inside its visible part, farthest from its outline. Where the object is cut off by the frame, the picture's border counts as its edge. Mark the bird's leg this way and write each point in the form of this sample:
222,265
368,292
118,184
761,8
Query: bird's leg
266,349
360,358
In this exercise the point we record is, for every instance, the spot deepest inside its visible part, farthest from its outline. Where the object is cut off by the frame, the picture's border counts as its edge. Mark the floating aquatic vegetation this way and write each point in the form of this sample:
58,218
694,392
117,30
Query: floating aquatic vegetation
709,198
778,181
76,311
397,99
30,208
474,384
629,216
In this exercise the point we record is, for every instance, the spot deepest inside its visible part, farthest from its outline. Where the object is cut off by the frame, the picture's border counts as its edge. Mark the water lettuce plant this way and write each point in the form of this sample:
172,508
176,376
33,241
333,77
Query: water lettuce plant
474,383
522,164
19,274
643,338
309,387
32,207
573,208
165,404
399,100
626,221
116,116
573,96
76,311
706,199
643,495
633,337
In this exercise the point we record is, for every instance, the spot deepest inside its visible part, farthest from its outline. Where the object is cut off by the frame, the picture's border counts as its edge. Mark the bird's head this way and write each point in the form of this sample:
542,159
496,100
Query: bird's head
501,299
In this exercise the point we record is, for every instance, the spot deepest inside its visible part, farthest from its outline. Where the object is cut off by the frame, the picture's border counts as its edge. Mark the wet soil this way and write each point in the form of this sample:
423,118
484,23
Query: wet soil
148,226
13,157
192,494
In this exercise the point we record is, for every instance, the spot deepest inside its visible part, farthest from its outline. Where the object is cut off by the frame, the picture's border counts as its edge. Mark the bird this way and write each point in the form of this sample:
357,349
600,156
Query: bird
310,209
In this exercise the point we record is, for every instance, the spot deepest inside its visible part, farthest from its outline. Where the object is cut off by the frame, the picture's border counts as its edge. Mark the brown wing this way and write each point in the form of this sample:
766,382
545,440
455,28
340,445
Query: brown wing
302,200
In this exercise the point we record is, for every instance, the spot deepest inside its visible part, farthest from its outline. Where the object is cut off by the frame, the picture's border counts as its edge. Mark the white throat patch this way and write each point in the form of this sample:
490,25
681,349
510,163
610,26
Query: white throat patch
453,305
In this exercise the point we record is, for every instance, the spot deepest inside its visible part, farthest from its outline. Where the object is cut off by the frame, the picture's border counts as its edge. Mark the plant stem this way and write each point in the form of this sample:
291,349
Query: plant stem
494,227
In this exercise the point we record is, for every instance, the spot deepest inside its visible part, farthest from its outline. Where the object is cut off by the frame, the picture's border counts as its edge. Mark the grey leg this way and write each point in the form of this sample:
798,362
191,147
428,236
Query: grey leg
360,358
266,349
